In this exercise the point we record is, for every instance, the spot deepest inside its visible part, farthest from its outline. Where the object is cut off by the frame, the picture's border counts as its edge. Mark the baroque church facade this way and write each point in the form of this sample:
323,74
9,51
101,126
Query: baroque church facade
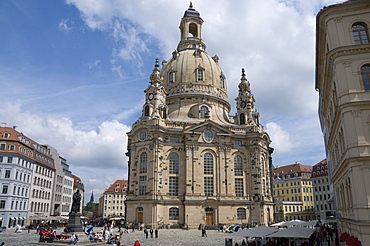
190,162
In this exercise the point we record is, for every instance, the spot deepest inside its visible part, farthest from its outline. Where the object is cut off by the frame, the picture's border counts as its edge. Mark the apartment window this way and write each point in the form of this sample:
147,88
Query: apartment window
238,166
239,190
7,174
10,159
359,32
2,146
1,158
142,185
173,186
365,74
208,163
241,213
174,163
143,162
208,186
173,213
12,147
5,189
2,204
203,112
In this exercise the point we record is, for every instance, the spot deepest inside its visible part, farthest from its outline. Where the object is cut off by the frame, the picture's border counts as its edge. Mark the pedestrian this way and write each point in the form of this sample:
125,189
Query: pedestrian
145,233
2,244
156,233
151,233
18,228
204,232
137,243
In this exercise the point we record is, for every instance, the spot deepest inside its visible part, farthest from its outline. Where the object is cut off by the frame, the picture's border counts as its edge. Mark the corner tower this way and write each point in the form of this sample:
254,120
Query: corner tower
190,162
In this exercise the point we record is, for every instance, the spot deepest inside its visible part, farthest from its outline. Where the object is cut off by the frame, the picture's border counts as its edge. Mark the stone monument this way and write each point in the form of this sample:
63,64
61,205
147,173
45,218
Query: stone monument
74,222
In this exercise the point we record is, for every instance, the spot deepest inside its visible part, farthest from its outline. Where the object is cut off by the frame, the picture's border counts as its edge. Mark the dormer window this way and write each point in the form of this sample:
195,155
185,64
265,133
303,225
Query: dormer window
6,135
200,74
171,76
203,112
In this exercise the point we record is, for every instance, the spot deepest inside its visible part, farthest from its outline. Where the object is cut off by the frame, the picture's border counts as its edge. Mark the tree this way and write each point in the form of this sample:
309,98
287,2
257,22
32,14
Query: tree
90,206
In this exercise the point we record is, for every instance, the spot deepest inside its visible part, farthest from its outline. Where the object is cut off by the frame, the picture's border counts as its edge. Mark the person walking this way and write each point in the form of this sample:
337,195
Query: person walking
156,233
151,233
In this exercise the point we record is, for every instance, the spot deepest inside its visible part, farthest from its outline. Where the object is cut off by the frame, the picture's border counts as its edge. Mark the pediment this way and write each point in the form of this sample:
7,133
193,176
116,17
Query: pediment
209,125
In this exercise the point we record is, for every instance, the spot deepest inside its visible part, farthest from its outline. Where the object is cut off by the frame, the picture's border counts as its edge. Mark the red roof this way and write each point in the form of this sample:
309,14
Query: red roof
118,186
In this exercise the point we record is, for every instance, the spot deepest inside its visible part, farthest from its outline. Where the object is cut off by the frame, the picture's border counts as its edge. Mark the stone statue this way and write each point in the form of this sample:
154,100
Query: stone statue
76,202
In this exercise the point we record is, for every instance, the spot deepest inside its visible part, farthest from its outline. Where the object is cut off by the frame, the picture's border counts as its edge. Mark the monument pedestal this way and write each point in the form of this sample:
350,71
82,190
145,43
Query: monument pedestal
74,223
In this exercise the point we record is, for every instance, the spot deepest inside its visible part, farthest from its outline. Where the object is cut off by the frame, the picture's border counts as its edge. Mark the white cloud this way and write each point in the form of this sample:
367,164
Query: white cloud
280,138
65,25
94,64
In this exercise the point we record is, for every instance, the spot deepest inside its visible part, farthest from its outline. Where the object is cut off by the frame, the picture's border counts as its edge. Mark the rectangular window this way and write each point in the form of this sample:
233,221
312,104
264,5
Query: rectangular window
239,188
5,189
142,185
175,139
174,186
238,142
7,174
200,75
208,186
2,146
12,147
10,159
2,204
1,158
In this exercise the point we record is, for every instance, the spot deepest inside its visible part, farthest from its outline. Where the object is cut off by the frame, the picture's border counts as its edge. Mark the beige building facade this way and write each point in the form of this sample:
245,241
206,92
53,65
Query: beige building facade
343,83
190,162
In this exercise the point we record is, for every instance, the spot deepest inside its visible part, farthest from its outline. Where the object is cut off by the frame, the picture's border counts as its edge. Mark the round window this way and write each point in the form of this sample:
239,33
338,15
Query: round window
143,135
208,135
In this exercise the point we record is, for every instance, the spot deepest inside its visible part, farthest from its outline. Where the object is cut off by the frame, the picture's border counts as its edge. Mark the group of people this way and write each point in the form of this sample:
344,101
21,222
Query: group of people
151,231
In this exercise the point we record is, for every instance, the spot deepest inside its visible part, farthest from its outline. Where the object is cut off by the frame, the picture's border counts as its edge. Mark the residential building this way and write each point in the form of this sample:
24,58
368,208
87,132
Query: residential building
343,83
321,187
190,162
42,184
114,200
292,191
17,159
67,193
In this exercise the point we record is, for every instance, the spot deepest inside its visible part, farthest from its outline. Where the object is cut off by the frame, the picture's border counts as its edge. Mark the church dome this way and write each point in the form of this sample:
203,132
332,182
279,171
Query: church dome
193,71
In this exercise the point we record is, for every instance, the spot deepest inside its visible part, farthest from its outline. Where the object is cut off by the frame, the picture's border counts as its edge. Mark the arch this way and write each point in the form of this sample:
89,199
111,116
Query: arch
359,33
365,75
174,163
238,165
193,30
143,162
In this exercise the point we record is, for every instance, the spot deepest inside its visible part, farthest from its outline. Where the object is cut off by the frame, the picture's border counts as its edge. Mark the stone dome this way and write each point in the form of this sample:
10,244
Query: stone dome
193,71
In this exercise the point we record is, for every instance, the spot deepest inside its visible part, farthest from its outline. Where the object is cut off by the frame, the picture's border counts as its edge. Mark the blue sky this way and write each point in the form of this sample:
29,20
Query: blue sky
72,73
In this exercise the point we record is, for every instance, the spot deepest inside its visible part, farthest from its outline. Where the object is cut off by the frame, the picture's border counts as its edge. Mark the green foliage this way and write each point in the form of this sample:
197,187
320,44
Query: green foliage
90,206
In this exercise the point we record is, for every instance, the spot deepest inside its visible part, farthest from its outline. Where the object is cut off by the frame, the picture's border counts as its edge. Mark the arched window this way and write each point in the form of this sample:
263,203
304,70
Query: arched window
171,77
241,214
174,163
242,119
238,166
359,32
146,111
208,163
173,213
365,74
203,112
200,74
143,162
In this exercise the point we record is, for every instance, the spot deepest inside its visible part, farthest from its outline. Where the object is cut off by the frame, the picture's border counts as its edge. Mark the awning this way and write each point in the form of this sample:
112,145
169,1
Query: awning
261,231
1,218
11,218
294,232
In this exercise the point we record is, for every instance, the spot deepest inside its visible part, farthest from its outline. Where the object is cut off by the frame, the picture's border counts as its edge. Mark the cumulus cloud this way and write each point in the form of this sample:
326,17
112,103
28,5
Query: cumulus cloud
65,25
281,138
95,153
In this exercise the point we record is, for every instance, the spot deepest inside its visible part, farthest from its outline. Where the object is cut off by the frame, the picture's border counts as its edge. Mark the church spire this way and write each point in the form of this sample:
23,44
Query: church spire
246,113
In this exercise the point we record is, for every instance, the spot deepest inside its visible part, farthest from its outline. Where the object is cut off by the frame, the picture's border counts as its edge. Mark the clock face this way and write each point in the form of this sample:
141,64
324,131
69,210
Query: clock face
151,96
243,104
